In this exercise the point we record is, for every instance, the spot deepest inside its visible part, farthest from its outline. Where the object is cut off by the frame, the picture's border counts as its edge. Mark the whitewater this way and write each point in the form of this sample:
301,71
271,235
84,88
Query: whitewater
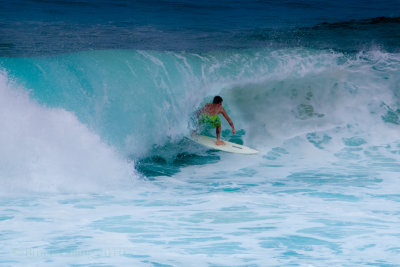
98,99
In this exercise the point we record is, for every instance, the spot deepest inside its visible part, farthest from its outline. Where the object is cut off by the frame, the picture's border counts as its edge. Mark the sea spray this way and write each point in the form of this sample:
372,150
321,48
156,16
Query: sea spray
47,149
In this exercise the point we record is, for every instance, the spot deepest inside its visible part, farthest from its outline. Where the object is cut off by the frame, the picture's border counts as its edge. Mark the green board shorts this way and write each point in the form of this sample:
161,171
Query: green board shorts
212,120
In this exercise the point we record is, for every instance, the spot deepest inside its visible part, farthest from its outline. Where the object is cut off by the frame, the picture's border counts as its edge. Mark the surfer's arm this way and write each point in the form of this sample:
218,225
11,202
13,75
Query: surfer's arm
228,120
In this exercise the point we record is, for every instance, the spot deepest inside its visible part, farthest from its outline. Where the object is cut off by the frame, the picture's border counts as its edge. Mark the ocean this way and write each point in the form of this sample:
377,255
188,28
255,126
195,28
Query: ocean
98,98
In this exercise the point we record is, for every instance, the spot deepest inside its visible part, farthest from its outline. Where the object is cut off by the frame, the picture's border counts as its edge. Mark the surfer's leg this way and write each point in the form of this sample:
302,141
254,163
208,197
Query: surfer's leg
218,131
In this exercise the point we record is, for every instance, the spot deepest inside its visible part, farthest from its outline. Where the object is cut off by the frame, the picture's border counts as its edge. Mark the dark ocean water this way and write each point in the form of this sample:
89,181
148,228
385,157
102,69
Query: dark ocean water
34,28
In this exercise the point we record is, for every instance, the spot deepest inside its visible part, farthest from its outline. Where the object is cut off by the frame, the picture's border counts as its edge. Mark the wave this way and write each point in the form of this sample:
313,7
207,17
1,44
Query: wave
128,104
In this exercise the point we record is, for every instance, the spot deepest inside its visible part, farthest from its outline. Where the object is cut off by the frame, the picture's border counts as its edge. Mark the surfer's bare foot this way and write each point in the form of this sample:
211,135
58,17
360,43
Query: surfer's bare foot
220,143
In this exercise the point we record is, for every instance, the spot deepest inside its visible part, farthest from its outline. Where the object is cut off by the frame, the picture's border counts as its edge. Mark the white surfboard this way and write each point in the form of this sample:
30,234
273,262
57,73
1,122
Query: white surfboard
227,147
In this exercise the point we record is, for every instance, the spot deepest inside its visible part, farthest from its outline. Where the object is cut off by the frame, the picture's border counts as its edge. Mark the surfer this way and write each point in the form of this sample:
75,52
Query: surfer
209,115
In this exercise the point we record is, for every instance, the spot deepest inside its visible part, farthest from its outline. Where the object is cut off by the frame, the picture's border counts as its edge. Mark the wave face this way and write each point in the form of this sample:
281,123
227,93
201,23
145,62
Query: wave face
136,101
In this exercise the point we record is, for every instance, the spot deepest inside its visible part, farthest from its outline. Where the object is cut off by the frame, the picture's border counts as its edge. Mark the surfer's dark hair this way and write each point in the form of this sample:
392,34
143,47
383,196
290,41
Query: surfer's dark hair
217,99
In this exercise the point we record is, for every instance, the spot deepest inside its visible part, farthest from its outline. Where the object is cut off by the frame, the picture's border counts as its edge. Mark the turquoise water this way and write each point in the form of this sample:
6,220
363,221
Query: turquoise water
97,169
96,106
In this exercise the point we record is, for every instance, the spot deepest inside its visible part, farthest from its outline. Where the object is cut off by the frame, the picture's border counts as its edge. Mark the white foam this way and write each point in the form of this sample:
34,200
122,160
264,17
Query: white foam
49,150
306,92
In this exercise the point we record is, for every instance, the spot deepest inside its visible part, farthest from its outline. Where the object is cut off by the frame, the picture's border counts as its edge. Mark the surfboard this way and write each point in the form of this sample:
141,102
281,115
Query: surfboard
227,147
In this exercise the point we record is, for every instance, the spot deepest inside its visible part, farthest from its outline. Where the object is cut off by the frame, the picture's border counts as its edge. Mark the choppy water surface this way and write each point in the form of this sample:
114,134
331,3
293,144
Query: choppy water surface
259,213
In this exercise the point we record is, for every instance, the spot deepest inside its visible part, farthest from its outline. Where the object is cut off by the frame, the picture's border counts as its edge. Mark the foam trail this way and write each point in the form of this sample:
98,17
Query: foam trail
49,150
